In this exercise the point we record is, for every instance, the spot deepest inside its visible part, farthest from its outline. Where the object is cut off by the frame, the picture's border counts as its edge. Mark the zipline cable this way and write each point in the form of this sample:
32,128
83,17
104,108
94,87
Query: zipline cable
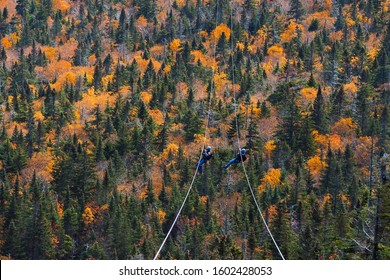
238,136
204,143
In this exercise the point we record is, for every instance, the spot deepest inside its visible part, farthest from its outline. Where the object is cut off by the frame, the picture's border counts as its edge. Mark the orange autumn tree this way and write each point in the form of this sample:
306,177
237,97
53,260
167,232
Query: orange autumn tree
61,5
271,179
175,45
315,166
88,217
217,32
345,127
269,147
291,31
206,61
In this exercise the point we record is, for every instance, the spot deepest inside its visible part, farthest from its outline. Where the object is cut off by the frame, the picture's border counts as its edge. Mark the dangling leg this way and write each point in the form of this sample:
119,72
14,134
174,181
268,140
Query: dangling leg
229,163
199,165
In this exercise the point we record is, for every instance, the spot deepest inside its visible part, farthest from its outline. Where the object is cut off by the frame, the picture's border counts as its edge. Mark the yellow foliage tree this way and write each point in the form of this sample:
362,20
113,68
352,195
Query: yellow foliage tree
64,78
146,97
61,5
39,116
170,151
14,37
175,45
272,179
6,43
57,68
323,141
344,198
220,80
345,127
324,19
315,166
269,147
272,212
275,50
336,143
50,52
291,31
141,23
309,93
372,54
217,32
327,198
204,60
42,164
161,216
240,46
88,216
157,116
350,89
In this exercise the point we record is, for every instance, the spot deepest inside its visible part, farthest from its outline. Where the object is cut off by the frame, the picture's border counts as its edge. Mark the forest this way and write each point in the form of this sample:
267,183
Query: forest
106,106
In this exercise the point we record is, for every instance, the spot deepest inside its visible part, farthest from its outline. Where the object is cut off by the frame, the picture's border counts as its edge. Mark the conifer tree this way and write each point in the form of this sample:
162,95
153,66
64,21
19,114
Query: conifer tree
319,114
97,75
296,9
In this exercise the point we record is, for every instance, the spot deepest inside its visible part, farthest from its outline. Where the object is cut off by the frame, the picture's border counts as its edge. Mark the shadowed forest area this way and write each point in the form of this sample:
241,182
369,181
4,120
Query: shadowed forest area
106,105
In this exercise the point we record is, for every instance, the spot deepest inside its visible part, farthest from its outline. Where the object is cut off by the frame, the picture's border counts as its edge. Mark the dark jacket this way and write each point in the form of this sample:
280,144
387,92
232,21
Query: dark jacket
207,155
239,156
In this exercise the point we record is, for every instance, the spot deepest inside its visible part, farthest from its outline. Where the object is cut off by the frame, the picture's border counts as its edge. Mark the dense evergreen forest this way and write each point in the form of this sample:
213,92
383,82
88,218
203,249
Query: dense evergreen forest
105,106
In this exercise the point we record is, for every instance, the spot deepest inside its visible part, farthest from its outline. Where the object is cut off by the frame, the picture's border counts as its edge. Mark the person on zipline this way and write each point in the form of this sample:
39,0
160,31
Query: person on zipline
240,157
206,155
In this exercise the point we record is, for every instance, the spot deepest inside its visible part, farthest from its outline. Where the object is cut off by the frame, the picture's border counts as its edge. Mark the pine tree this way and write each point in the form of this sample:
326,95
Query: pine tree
319,114
163,196
150,195
97,75
14,245
265,110
236,125
291,118
147,8
221,45
383,65
283,234
296,9
338,102
331,179
363,107
163,135
312,81
306,140
21,7
193,125
100,150
38,238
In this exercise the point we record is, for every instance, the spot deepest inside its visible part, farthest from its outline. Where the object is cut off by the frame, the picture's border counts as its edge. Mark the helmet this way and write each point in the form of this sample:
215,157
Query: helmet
208,148
243,151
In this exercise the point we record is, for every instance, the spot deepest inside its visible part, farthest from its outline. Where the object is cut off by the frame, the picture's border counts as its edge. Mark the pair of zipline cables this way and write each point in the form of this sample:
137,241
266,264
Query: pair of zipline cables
204,143
205,137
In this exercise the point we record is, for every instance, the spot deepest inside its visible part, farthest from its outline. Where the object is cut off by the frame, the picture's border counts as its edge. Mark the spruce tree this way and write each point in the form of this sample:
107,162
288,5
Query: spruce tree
97,75
296,9
319,114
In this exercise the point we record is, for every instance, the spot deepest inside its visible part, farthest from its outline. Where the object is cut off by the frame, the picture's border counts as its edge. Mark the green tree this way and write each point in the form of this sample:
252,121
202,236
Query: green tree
97,75
319,114
193,124
296,9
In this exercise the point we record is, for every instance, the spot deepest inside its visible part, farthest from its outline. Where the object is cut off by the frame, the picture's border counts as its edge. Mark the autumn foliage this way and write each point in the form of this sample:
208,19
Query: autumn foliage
105,107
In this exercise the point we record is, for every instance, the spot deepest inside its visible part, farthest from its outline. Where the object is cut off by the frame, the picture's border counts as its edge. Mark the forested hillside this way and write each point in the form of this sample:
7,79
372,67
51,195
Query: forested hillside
105,106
